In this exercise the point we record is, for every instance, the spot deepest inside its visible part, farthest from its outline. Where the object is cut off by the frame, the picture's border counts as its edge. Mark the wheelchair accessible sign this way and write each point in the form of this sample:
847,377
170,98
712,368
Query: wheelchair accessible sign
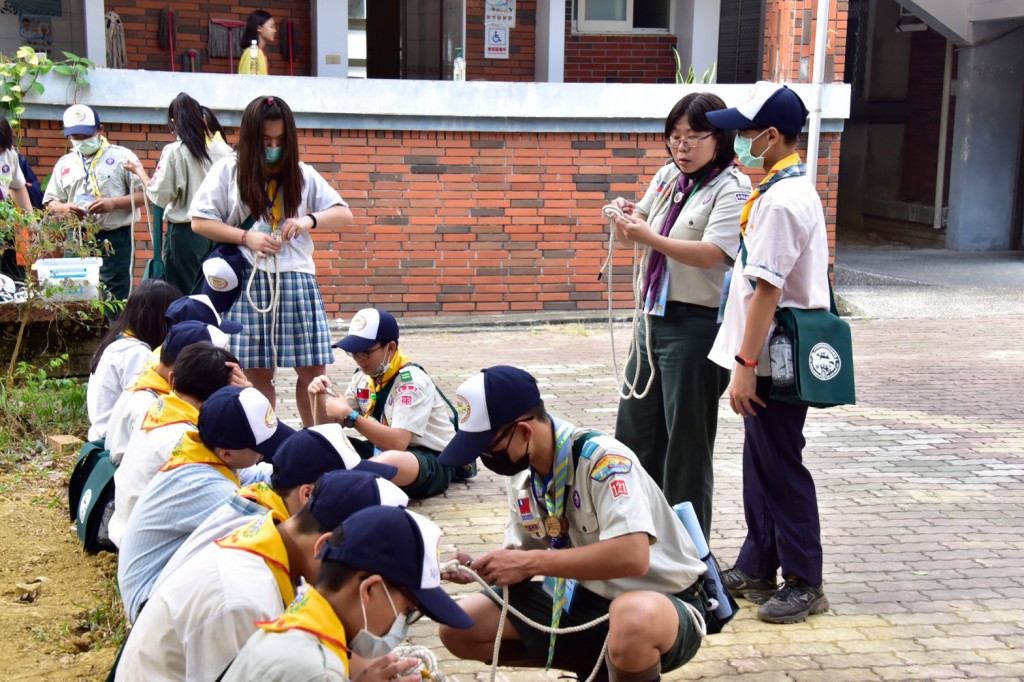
496,42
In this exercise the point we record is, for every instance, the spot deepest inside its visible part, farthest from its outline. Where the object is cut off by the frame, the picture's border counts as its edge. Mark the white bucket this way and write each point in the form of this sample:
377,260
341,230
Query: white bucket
78,278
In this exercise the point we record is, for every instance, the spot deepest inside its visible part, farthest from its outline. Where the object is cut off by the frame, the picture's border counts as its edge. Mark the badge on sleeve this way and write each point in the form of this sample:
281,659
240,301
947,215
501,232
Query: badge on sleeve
619,488
609,465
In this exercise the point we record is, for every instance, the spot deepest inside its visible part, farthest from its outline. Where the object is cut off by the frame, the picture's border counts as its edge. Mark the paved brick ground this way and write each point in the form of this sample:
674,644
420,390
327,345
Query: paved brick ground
919,486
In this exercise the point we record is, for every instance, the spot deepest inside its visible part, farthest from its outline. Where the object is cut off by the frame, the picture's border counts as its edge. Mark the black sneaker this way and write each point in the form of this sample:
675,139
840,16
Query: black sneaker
754,590
465,472
793,603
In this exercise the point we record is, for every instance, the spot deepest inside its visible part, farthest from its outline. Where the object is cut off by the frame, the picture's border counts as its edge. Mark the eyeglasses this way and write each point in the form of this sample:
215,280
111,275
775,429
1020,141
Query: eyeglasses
363,356
491,452
687,142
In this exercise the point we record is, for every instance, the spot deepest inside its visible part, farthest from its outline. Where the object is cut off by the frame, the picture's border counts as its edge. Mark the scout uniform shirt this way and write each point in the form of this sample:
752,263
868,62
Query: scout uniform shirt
76,178
787,246
166,421
307,643
11,176
413,404
131,408
178,176
609,495
195,623
711,214
118,368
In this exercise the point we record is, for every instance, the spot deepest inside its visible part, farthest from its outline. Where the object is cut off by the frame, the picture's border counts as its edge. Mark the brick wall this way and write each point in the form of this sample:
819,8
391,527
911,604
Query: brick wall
637,58
141,22
789,37
459,223
924,106
521,62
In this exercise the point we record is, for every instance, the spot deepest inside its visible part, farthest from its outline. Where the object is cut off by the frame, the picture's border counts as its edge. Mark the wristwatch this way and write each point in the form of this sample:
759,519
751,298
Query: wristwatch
746,363
350,420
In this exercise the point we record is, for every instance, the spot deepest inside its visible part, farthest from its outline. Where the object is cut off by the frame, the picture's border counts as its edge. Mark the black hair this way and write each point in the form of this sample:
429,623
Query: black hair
694,108
333,574
539,413
6,134
143,317
254,171
213,123
185,117
305,522
252,27
200,370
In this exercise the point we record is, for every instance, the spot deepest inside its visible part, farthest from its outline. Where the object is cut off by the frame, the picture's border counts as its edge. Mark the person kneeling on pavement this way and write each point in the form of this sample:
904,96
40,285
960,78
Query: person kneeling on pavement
378,574
584,514
395,405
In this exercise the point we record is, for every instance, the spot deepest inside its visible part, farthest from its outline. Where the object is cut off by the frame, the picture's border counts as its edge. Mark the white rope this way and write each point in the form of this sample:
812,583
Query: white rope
427,667
628,387
453,565
273,309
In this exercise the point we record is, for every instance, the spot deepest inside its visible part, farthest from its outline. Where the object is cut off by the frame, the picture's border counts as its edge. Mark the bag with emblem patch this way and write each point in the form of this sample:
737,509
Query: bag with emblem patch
820,369
91,496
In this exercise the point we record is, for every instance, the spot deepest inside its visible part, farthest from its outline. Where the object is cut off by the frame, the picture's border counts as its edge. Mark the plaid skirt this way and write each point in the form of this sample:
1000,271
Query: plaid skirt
302,335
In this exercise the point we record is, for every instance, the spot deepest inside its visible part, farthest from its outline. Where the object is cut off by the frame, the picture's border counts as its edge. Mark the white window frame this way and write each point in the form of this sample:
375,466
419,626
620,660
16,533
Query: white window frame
582,25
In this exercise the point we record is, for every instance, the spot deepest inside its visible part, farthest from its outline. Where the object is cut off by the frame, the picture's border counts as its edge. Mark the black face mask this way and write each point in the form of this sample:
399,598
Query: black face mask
501,464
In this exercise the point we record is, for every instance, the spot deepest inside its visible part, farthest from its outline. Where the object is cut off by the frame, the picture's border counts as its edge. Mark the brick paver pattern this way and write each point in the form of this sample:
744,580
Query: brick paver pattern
919,486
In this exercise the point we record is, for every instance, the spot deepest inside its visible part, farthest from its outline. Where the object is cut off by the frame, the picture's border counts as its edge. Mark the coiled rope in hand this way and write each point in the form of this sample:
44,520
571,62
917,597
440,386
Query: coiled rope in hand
273,275
628,387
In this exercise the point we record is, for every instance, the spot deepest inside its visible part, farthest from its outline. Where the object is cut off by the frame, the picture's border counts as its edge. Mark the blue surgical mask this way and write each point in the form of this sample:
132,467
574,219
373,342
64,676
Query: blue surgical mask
273,154
741,146
88,146
369,645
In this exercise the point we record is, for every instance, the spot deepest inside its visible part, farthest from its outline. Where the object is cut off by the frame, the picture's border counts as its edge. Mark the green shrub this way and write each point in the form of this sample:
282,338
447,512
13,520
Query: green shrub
35,405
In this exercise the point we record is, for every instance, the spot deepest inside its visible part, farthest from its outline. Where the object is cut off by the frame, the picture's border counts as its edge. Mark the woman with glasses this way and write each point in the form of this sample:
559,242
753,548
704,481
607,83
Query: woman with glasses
267,202
690,220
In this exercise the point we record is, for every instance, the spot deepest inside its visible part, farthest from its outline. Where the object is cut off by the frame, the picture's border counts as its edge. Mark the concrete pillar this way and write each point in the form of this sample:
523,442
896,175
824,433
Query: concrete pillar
696,29
96,32
984,175
329,24
550,51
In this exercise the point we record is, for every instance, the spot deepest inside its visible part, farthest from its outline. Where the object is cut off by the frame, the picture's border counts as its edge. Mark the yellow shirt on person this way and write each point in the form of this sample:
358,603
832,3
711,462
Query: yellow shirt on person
247,66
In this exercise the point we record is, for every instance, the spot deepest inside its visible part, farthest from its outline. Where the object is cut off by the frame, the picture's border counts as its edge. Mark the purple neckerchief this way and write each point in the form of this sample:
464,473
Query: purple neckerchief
656,264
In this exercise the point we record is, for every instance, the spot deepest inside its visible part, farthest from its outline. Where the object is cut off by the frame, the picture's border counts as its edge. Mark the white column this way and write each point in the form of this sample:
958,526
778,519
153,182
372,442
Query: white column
329,29
550,52
704,49
96,32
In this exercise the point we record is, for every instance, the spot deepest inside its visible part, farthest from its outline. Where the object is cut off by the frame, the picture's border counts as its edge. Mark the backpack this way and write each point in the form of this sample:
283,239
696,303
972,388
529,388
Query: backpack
91,496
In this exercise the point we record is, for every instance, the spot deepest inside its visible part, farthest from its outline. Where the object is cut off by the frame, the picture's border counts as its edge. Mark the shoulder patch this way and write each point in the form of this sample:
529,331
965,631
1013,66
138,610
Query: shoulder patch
405,375
609,465
742,196
588,449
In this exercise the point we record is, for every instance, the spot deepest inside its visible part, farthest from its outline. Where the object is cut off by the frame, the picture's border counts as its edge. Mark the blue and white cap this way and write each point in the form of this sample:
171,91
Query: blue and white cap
239,418
771,105
222,276
369,327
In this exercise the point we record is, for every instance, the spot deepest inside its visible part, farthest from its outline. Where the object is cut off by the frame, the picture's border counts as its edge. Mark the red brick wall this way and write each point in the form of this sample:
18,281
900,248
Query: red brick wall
924,106
637,58
521,62
459,222
141,22
787,39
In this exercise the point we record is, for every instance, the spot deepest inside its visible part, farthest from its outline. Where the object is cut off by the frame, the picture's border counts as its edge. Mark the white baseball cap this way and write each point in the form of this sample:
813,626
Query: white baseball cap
80,119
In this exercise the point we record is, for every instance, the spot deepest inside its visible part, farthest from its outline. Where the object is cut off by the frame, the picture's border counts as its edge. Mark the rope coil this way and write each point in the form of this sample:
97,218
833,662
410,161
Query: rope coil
273,309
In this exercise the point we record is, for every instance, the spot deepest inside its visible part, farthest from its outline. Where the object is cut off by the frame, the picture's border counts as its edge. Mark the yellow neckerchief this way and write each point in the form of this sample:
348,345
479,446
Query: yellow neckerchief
90,168
263,495
312,613
274,202
169,409
791,160
190,450
399,361
149,380
261,538
216,137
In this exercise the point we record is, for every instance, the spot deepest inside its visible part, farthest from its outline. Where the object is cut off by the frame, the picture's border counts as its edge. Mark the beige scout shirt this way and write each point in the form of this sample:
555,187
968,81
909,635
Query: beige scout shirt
293,656
70,184
711,214
178,177
11,176
609,495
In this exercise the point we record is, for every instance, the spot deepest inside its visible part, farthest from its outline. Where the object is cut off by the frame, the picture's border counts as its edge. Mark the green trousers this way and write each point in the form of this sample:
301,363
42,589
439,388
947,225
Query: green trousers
116,270
672,430
184,252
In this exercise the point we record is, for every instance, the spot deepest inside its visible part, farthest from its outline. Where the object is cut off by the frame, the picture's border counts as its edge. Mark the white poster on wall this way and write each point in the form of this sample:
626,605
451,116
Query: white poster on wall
500,13
495,42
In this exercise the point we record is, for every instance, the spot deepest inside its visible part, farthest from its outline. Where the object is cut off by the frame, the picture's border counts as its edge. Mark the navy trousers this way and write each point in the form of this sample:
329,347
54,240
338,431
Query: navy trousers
779,500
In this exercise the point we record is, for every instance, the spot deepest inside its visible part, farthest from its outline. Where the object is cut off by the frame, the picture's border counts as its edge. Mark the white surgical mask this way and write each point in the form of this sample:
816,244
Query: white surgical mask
369,645
88,146
383,366
741,146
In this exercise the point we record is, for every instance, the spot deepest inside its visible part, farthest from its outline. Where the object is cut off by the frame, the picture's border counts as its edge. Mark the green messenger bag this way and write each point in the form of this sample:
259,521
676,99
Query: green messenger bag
822,358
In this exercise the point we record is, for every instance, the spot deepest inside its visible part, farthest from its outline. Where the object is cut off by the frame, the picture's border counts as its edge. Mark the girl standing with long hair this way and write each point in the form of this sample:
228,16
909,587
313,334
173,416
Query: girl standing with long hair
259,26
181,170
267,201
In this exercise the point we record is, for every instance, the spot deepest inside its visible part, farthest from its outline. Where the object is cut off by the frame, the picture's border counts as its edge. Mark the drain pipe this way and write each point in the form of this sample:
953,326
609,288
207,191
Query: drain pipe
818,84
940,167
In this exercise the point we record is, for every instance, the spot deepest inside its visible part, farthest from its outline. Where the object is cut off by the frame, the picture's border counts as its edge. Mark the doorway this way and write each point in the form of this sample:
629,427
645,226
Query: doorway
413,39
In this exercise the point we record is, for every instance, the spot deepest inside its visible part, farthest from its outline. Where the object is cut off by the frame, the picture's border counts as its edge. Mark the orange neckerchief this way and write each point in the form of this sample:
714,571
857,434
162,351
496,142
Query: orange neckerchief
190,450
169,409
260,537
791,160
263,495
149,380
313,614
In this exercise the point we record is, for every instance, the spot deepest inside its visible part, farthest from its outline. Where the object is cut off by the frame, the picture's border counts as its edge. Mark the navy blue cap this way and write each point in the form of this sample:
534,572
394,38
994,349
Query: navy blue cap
771,106
369,327
314,451
486,402
222,276
340,494
402,547
241,418
199,307
186,333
